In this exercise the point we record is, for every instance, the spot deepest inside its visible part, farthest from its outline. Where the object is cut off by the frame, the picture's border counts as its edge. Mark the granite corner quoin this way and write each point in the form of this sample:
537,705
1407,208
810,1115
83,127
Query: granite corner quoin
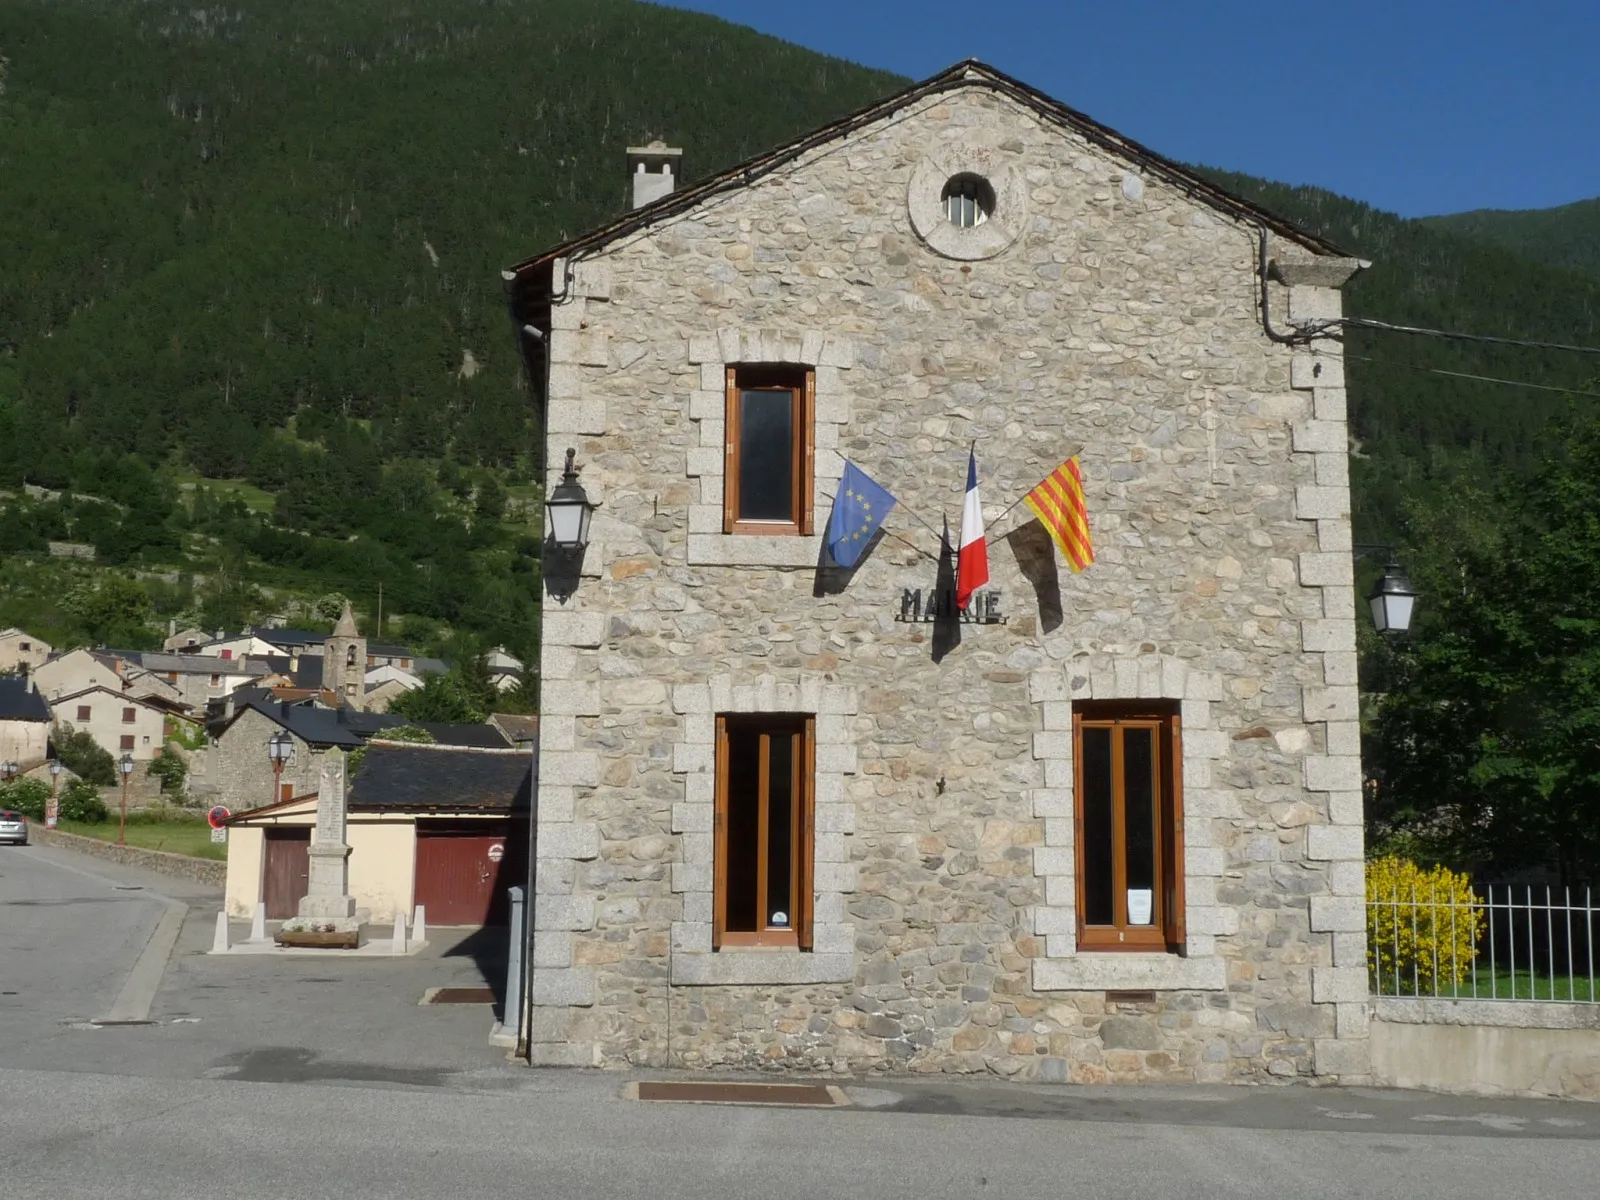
1117,305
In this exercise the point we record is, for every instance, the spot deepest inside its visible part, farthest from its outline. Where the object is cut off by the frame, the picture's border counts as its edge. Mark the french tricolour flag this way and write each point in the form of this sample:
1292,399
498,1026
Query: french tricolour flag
972,561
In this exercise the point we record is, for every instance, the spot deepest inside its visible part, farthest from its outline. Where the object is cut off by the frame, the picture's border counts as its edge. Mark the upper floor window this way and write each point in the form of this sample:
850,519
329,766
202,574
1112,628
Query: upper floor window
350,656
968,200
767,478
25,645
128,716
1129,826
764,832
83,712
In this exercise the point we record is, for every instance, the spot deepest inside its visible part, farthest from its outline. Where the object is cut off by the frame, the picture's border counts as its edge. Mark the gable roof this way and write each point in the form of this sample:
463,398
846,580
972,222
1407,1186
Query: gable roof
199,664
968,73
127,698
348,728
21,701
420,778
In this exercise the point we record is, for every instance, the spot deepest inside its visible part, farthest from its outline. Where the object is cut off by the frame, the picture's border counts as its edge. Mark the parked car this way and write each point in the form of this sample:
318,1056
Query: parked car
13,827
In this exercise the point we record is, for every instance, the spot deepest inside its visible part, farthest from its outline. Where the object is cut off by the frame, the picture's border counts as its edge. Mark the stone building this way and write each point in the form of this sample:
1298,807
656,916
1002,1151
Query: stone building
21,650
1102,826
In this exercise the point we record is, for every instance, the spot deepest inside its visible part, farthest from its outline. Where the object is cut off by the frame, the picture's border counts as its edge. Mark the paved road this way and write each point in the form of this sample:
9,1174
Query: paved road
271,1077
571,1135
68,936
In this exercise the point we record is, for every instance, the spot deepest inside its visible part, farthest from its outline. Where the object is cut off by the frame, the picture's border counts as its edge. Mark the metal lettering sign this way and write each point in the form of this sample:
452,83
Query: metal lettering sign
939,604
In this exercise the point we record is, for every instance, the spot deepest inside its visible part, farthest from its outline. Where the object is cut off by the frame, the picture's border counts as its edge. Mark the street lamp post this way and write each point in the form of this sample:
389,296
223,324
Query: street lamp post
280,749
125,765
52,811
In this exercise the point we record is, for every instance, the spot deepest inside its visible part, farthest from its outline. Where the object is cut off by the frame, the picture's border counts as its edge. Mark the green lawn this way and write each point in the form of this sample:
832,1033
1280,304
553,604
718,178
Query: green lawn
1501,985
191,837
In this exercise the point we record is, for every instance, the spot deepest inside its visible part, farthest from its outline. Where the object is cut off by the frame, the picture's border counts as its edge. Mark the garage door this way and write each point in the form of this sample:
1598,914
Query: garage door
287,871
464,869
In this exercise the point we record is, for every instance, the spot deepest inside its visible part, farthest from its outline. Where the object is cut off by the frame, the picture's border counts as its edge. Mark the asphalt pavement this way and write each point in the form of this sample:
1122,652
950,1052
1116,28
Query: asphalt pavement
271,1077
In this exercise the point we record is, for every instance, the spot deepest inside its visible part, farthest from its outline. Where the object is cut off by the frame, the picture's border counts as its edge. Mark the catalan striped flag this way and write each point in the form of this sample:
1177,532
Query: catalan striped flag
1058,503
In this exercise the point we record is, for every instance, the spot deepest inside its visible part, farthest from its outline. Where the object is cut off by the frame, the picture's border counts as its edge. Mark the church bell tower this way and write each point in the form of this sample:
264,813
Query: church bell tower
344,661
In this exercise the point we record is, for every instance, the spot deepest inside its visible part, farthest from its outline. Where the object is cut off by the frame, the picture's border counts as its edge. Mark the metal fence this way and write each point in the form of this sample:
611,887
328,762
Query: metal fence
1507,943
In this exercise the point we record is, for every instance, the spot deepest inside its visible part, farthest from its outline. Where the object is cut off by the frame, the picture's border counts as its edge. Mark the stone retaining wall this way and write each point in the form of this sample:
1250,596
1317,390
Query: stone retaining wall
179,866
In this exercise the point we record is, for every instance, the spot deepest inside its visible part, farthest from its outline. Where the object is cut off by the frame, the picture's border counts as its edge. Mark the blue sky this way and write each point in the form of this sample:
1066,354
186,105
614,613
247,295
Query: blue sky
1415,106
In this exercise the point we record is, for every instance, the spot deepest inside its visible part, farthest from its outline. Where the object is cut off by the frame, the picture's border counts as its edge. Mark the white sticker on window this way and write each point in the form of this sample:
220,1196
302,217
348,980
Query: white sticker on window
1140,903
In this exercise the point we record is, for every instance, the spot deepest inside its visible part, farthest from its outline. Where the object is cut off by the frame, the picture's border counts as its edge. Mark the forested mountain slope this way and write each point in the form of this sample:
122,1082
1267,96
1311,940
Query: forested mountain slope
263,241
1416,428
1568,236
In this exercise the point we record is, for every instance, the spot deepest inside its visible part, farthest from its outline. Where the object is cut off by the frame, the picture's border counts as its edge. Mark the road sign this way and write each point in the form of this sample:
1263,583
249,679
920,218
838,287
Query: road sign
219,835
496,852
216,817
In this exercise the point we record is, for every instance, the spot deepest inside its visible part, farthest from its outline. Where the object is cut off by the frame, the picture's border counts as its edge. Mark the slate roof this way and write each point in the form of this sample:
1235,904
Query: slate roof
308,672
20,702
518,727
421,778
348,728
199,664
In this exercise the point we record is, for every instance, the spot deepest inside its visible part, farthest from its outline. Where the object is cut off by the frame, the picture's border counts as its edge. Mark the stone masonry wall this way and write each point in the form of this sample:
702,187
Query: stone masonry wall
239,773
1103,308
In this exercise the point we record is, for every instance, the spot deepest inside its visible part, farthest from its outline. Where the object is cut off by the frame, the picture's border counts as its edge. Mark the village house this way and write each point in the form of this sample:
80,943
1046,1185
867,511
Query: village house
119,723
24,723
197,679
72,672
1098,826
20,650
444,827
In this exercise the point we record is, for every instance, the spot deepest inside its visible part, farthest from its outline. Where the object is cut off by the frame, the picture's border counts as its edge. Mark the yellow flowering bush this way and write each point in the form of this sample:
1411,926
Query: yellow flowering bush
1421,926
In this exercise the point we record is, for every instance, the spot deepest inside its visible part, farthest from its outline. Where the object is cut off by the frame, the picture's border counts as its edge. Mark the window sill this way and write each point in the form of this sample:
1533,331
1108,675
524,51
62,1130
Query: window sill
764,967
753,550
1093,971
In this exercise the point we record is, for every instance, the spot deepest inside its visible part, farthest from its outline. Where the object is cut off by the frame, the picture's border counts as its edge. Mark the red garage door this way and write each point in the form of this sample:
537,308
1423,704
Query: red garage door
464,869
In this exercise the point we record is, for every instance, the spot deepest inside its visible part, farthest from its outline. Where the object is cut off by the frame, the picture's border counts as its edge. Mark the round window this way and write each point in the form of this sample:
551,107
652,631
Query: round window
968,200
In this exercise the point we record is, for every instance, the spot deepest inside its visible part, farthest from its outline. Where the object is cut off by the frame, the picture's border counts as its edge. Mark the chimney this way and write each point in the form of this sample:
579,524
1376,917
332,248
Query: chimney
654,170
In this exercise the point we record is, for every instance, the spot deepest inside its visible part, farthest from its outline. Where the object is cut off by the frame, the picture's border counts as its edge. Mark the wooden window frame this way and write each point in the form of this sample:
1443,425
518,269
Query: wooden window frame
776,377
84,713
799,934
126,743
130,716
1168,932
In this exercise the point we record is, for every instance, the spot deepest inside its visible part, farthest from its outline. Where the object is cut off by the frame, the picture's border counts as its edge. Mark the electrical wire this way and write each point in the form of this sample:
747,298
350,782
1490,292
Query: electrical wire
1521,383
1386,327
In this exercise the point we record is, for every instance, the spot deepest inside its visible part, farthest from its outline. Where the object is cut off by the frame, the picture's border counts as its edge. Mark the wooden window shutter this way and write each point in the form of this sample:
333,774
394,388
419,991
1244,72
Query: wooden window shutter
1175,900
808,442
719,885
808,832
730,458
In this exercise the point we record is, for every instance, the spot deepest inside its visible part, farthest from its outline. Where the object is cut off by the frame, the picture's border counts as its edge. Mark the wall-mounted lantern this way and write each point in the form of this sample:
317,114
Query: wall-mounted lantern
568,510
1392,599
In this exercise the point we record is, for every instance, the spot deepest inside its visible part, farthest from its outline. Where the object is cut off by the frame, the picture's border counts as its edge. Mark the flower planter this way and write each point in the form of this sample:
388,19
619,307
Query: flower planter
348,940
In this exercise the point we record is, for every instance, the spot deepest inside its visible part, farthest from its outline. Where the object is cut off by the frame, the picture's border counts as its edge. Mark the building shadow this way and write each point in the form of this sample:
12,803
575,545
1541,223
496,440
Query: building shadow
831,579
946,617
1036,559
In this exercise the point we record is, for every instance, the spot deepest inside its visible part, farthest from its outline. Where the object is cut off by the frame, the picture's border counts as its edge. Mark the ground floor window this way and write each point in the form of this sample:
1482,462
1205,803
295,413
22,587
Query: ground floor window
764,831
1129,826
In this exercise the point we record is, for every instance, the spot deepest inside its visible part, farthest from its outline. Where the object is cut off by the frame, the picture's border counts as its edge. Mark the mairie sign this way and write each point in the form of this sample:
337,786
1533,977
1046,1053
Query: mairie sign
939,604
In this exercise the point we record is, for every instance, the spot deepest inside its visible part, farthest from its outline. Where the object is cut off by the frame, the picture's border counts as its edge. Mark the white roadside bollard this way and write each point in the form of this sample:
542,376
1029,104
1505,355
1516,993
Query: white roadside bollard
397,943
258,924
219,944
419,925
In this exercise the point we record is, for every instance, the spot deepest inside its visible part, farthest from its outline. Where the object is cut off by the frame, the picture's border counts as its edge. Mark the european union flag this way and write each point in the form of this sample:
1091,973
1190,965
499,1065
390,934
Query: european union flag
859,507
